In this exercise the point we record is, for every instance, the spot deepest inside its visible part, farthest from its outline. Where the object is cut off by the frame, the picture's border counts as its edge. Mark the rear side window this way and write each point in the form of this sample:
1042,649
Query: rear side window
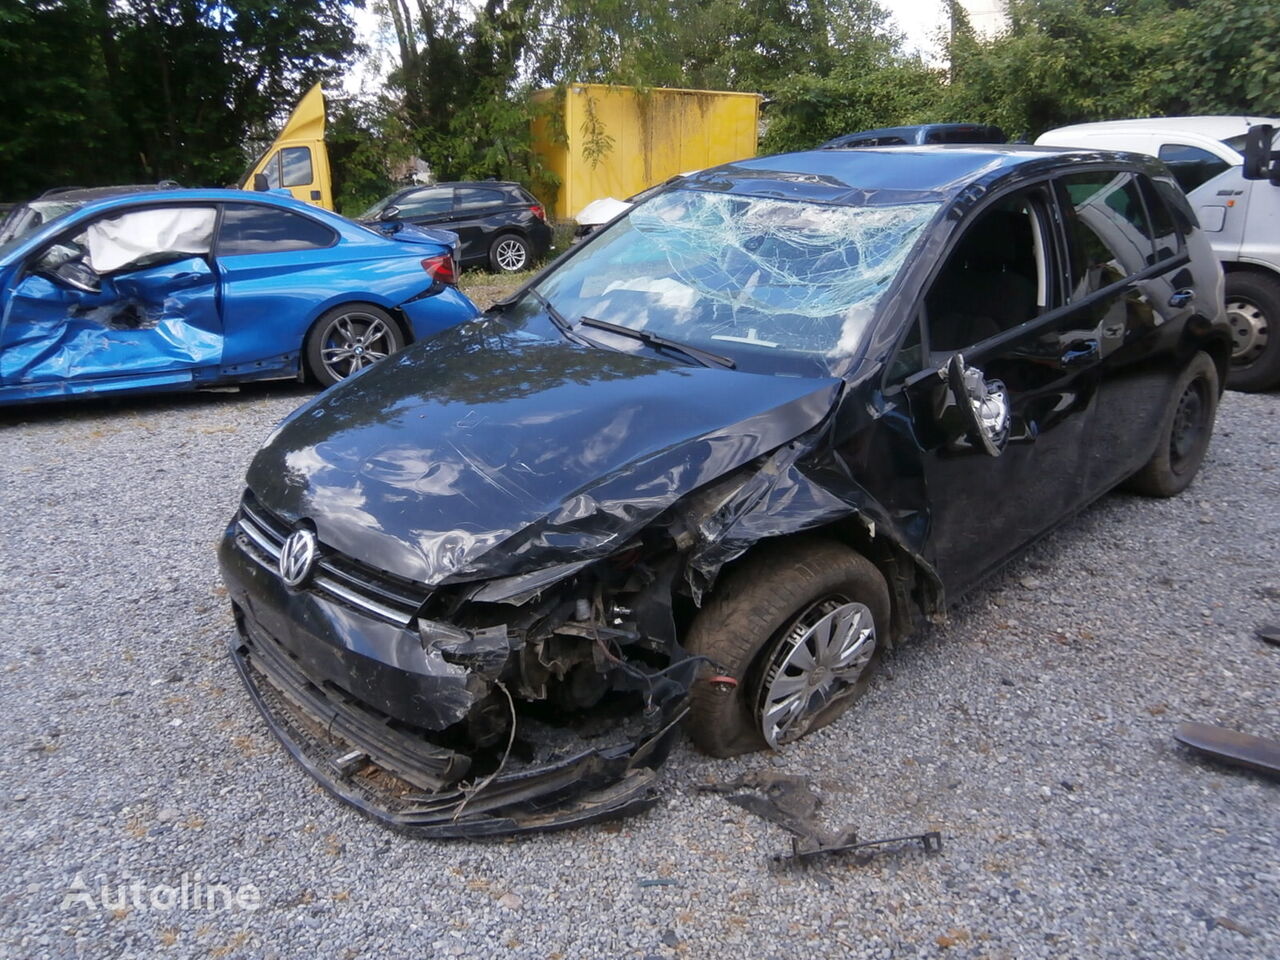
1190,165
473,198
296,162
254,228
1106,221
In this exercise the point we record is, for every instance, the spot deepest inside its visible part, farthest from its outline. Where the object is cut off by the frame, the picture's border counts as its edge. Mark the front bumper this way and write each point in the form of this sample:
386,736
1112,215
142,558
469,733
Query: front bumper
385,766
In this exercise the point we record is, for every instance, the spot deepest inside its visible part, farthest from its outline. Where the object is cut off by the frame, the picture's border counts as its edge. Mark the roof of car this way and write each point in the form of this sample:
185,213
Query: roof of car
855,176
1219,128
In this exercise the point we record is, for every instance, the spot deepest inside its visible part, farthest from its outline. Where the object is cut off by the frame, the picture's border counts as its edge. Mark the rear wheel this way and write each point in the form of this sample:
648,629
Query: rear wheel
509,253
798,628
348,339
1253,310
1184,433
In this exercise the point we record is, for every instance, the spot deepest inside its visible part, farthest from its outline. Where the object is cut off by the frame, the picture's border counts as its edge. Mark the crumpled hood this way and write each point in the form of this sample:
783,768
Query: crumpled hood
488,451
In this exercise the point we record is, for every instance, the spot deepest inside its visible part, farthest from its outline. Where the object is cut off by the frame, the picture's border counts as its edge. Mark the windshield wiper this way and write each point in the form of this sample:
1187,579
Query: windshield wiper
659,342
557,318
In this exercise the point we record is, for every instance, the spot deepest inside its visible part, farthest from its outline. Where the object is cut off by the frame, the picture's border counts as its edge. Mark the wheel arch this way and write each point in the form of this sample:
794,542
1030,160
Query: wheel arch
914,588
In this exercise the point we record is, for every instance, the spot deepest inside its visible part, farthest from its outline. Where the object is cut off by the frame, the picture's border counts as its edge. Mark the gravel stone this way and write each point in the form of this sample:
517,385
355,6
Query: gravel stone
1033,729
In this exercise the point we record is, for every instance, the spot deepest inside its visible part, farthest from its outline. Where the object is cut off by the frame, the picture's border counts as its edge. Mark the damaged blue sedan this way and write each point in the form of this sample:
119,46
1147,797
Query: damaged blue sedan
184,289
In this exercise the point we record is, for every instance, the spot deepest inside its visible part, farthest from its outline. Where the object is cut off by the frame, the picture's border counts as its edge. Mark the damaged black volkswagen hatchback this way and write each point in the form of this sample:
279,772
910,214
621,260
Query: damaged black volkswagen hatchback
707,467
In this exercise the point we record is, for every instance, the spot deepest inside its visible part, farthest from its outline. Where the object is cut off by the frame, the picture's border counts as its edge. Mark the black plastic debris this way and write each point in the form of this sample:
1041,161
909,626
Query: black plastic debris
789,801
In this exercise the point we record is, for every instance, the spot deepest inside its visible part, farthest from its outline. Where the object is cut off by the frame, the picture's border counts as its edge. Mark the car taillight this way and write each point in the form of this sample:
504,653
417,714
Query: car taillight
441,269
538,212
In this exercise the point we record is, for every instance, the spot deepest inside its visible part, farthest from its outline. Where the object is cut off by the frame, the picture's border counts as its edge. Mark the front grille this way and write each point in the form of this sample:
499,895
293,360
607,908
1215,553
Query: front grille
337,577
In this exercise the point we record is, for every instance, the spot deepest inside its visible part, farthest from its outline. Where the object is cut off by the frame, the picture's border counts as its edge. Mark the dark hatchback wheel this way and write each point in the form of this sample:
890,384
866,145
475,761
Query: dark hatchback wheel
799,628
349,338
1185,432
509,254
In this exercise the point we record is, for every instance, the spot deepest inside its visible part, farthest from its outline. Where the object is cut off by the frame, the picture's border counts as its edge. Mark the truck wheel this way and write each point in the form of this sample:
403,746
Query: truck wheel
1253,310
349,338
797,627
509,253
1184,432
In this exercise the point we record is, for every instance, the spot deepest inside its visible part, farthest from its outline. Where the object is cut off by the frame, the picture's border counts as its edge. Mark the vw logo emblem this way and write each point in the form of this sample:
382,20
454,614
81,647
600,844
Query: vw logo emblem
297,557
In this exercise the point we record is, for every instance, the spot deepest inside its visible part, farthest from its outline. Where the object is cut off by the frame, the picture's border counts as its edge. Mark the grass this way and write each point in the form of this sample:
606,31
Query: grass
486,288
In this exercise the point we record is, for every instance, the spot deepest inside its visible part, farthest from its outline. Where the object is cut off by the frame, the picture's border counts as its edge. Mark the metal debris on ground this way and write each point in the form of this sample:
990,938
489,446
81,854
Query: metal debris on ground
1270,632
1231,746
789,801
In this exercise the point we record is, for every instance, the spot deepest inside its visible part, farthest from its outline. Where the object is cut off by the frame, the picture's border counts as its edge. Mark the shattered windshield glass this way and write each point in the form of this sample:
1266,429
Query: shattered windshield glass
729,272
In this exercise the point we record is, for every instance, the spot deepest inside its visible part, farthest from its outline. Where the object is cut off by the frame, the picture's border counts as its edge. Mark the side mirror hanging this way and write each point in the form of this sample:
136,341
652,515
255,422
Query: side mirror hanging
983,406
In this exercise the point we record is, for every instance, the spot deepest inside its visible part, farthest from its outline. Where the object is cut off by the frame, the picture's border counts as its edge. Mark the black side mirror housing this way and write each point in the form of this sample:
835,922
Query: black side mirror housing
260,184
1261,162
389,212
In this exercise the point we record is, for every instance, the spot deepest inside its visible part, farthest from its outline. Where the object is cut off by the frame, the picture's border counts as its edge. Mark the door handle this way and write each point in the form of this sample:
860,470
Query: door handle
1080,352
1181,298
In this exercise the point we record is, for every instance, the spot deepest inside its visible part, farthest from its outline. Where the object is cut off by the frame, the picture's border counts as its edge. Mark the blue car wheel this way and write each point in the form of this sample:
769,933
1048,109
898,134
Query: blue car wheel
349,338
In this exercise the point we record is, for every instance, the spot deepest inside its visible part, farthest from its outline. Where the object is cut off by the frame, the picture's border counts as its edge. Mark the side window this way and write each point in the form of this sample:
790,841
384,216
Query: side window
425,203
144,238
1167,235
474,198
1107,228
910,355
272,171
1191,166
257,228
995,278
296,162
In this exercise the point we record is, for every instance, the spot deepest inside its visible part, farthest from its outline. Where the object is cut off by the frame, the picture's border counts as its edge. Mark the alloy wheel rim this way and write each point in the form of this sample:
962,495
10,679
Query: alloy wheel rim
820,659
353,341
510,255
1249,332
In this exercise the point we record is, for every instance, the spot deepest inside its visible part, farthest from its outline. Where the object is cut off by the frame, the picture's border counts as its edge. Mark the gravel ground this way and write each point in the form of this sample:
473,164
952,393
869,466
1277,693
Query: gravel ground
1034,730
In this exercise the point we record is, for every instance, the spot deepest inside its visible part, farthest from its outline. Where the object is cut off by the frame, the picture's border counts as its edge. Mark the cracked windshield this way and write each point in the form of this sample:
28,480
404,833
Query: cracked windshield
740,274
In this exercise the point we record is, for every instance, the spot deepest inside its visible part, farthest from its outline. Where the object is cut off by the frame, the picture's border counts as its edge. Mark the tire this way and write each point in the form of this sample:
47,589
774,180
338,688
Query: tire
509,253
1185,430
752,627
349,338
1253,310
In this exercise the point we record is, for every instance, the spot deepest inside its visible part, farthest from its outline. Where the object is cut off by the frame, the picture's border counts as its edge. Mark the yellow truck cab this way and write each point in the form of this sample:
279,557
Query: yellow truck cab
297,161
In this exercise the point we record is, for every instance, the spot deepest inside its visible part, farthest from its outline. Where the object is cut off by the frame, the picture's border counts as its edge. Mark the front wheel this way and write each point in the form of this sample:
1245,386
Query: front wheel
349,338
1253,310
509,253
1184,432
799,629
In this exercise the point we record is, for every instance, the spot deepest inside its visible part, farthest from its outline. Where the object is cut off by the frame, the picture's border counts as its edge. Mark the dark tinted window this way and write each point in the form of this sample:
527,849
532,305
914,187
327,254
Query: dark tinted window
1191,166
1167,236
251,228
1107,222
472,198
297,166
425,203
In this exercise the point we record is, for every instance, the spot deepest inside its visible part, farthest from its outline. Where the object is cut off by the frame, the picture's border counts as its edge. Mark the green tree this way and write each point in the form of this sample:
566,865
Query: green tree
105,91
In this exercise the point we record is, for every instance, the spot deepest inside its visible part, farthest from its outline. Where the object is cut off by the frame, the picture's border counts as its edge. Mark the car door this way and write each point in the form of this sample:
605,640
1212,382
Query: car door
1217,189
1129,276
999,337
122,300
478,215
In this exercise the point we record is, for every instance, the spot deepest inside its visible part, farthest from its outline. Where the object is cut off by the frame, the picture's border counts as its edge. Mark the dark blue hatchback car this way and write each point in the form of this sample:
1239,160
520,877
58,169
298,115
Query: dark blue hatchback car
182,289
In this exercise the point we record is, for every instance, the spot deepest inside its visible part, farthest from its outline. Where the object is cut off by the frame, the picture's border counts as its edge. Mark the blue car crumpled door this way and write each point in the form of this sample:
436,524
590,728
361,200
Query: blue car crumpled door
147,326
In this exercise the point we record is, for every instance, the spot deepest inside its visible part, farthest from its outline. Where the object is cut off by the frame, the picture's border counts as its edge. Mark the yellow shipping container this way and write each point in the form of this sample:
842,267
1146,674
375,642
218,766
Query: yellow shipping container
622,140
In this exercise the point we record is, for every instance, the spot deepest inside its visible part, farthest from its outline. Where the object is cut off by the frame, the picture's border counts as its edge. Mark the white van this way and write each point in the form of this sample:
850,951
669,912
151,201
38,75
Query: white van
1240,217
